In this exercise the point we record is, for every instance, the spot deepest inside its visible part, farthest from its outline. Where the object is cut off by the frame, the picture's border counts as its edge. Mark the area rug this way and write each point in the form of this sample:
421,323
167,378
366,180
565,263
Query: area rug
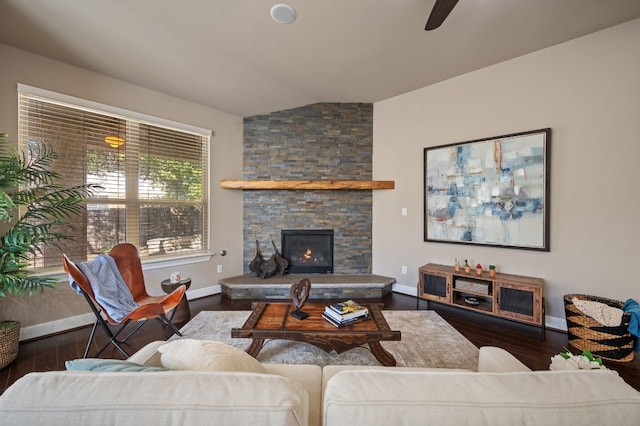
427,341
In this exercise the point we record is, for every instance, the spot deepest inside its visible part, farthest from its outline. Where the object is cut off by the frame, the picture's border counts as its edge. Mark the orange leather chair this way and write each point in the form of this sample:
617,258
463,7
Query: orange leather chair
127,259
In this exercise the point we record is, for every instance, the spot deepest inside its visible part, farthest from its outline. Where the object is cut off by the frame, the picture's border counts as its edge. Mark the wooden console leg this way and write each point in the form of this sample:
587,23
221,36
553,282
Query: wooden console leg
255,347
382,354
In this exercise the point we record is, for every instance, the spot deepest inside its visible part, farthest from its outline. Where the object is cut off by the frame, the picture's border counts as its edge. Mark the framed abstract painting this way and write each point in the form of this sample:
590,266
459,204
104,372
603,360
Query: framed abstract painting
489,192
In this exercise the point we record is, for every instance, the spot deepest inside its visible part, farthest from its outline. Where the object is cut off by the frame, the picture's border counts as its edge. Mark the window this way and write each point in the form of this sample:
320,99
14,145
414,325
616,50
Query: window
154,175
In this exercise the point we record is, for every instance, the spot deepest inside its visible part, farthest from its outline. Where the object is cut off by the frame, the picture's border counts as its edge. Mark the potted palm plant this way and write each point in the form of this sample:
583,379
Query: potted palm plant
34,211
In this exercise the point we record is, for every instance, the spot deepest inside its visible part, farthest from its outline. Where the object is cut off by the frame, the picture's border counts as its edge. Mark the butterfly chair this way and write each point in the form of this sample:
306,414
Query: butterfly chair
128,262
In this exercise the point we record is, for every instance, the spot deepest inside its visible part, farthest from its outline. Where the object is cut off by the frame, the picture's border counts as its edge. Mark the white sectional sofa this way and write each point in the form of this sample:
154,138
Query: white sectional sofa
502,392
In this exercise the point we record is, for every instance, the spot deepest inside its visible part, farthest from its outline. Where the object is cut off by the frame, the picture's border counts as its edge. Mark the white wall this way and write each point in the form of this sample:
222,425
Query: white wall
226,162
588,91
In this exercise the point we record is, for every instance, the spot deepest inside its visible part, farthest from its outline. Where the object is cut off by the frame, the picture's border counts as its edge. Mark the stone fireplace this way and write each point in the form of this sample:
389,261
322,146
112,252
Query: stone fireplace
309,251
327,141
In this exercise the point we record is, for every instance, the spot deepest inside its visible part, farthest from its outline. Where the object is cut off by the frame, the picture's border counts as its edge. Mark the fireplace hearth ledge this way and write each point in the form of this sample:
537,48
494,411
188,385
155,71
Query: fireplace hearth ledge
323,286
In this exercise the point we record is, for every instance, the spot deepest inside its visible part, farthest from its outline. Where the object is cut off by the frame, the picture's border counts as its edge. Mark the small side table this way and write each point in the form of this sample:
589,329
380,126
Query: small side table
181,313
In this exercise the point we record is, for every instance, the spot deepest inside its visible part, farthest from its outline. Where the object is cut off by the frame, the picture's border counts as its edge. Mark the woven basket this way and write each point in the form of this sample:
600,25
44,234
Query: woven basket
9,338
612,343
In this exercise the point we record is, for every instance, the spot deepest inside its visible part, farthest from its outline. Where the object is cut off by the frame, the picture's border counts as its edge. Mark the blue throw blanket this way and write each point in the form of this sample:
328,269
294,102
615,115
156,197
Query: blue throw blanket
632,307
108,286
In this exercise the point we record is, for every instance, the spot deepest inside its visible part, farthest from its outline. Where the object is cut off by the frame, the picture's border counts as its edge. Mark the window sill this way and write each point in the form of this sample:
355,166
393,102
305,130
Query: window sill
150,263
147,265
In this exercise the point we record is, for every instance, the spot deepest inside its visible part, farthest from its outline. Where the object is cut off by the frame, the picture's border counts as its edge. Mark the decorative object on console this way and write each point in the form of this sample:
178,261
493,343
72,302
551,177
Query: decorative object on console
478,269
467,267
492,191
473,286
456,265
299,295
492,271
471,301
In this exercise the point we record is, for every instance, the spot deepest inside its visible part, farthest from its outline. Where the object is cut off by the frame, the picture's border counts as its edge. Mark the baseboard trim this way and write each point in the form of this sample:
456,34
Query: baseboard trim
56,326
553,323
204,292
556,323
64,324
405,289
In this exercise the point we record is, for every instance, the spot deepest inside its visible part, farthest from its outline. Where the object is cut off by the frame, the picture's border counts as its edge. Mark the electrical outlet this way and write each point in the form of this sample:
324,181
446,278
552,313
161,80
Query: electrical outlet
219,269
404,211
404,270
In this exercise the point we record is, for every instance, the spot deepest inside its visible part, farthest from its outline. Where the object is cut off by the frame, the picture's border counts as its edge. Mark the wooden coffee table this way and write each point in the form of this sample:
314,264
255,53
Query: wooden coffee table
272,321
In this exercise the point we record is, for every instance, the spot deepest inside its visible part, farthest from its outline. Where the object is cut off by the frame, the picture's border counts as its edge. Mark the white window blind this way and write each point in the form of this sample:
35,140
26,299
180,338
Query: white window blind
154,177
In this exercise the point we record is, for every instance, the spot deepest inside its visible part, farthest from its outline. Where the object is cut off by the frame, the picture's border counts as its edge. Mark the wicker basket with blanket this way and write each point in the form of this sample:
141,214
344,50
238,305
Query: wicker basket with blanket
608,342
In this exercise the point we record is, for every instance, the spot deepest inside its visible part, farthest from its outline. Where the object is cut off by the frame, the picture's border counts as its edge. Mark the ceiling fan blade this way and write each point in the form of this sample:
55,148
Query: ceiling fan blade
439,13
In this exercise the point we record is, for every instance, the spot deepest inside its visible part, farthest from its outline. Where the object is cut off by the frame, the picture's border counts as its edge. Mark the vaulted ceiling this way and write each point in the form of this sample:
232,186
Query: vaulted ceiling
230,55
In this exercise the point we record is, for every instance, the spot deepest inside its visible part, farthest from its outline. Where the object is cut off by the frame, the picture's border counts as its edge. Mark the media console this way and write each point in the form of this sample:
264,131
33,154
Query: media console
513,297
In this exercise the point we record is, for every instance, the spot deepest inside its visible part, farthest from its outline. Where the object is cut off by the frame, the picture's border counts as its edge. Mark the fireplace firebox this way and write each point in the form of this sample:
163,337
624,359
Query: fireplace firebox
308,250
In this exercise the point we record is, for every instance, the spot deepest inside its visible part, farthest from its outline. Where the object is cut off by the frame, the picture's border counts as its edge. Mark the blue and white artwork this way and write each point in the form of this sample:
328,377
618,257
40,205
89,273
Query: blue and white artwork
490,191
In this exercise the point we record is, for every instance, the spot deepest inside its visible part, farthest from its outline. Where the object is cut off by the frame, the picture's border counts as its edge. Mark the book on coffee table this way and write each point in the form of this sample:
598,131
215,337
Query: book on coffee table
345,317
338,324
347,309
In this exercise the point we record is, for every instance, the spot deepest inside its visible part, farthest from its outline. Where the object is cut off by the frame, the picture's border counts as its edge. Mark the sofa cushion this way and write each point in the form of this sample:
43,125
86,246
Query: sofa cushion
328,371
454,398
309,376
107,365
497,360
207,355
148,355
168,397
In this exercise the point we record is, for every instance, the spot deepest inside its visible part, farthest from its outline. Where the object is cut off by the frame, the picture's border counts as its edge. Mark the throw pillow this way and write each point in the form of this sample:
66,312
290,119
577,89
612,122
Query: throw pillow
207,355
107,365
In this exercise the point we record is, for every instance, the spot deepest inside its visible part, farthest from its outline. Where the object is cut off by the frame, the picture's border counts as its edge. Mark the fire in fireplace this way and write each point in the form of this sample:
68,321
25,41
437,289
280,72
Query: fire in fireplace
308,250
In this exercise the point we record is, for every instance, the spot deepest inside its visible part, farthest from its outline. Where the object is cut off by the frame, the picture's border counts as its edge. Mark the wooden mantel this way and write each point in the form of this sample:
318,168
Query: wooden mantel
307,184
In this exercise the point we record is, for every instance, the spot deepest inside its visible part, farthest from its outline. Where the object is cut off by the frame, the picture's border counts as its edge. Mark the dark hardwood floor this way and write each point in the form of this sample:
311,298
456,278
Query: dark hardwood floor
523,341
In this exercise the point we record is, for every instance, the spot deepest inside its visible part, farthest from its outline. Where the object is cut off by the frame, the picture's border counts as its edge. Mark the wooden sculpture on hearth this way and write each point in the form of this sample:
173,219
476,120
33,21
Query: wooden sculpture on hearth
299,295
254,265
281,263
276,264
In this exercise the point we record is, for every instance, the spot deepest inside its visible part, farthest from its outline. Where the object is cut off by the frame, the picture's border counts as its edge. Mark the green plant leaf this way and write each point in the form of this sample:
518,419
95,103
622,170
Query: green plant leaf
38,211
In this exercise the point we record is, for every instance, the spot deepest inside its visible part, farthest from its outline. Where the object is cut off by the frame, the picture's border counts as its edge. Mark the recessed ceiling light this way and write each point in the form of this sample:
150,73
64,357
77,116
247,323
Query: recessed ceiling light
283,13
